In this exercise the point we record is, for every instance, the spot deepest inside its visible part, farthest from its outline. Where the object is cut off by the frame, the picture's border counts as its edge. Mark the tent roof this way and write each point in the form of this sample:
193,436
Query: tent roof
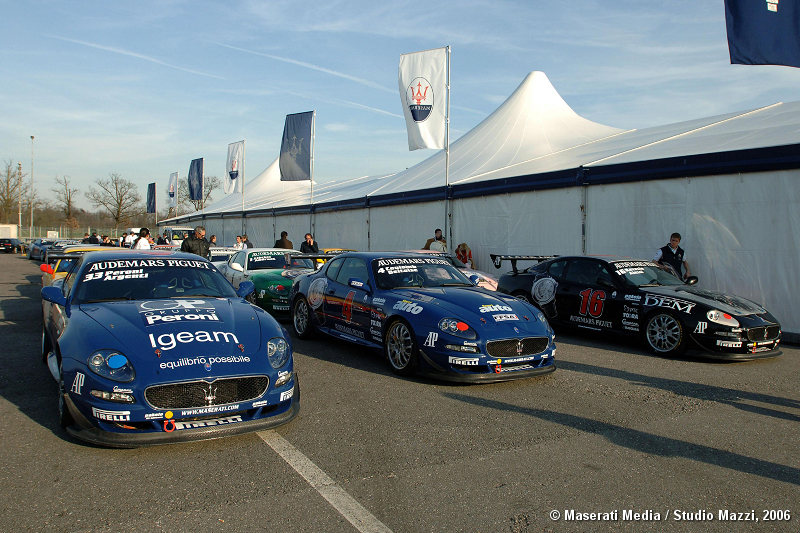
532,134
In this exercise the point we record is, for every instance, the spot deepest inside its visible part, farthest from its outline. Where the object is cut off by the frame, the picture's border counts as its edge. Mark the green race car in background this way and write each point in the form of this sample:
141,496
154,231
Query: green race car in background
272,270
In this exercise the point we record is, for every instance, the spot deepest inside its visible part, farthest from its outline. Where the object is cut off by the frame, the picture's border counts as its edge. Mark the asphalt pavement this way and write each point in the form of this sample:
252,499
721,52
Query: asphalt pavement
617,439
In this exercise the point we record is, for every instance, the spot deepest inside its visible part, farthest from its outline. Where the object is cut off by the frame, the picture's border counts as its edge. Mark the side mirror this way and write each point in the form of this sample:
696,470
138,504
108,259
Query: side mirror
475,279
237,267
358,284
54,295
245,288
46,268
691,280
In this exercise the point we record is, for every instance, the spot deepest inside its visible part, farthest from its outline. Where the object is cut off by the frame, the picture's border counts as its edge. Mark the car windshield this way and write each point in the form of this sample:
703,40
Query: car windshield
146,279
267,260
645,273
397,272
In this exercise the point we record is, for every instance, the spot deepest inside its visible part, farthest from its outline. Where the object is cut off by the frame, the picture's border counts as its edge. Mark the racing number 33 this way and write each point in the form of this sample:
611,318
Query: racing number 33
592,302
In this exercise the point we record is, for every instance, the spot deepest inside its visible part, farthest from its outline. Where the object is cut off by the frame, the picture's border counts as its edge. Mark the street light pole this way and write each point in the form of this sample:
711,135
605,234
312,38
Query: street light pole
19,197
30,233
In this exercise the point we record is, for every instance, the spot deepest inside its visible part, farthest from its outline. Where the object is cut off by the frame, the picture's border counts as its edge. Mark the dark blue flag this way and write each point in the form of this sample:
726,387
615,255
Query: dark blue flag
151,197
196,179
295,160
763,32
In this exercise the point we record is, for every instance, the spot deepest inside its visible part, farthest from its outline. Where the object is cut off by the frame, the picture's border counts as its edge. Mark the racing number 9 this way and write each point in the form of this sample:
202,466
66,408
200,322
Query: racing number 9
592,302
347,307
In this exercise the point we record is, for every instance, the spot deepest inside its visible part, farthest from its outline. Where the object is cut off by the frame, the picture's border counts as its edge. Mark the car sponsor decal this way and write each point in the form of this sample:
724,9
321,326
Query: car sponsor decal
590,321
209,410
116,275
487,308
622,265
111,416
77,384
408,306
280,307
168,341
467,361
652,300
260,403
122,390
701,327
378,301
729,344
412,261
543,290
431,340
592,302
206,362
504,317
629,325
153,416
285,395
164,311
633,297
206,423
349,331
316,292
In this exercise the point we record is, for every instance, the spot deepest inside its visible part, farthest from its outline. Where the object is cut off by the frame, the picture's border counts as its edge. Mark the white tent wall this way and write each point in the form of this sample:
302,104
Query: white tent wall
530,223
345,229
739,231
404,227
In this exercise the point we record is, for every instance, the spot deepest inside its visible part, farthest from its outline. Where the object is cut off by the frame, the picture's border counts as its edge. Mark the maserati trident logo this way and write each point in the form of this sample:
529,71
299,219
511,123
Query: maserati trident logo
212,394
419,97
519,347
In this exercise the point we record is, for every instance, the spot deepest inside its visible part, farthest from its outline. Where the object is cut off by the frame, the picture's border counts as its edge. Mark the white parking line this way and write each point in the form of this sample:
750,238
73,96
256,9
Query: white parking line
346,505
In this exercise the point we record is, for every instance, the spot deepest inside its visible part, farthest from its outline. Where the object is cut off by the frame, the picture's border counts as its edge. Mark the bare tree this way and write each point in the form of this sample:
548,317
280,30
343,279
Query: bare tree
65,199
12,185
210,184
118,196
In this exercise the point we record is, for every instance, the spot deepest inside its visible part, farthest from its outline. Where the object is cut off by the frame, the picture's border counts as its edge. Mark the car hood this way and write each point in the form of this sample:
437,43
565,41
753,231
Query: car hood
475,306
181,336
277,275
733,305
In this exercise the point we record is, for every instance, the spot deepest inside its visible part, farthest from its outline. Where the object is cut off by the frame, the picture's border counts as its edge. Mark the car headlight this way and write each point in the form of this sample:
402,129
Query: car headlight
277,352
718,317
112,365
457,327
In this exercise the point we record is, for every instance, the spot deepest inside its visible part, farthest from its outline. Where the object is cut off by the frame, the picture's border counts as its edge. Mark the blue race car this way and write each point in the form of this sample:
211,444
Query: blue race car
152,347
425,315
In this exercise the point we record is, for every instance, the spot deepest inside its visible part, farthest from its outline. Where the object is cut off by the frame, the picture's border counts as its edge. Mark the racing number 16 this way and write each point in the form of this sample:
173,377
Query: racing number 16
592,302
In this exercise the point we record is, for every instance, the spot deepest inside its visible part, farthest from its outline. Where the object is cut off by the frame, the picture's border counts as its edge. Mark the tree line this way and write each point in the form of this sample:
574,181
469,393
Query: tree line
117,201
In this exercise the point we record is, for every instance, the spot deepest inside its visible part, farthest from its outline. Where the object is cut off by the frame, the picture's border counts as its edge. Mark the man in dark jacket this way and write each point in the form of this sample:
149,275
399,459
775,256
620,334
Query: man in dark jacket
284,241
197,243
674,256
309,245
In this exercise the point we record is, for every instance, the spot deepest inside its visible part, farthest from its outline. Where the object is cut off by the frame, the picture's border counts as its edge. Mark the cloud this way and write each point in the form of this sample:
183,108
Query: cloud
136,55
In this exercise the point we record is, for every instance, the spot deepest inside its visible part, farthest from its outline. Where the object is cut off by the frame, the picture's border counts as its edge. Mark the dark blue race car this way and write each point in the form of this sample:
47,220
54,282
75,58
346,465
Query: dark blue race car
151,347
425,315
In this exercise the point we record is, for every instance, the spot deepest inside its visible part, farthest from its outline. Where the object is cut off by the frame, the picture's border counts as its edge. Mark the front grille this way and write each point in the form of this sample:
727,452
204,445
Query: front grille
206,393
509,347
764,333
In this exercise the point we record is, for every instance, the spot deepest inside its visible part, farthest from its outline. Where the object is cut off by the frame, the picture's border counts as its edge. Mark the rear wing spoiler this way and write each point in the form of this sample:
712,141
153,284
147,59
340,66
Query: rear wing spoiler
498,259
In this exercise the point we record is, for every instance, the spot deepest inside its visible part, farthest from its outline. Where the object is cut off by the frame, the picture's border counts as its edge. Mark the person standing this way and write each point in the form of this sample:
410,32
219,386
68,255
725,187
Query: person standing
674,256
309,245
142,242
437,242
197,244
212,241
239,243
246,242
284,241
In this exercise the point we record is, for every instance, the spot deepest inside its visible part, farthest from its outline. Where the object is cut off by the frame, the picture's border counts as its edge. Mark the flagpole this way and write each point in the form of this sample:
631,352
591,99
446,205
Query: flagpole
311,210
244,230
448,229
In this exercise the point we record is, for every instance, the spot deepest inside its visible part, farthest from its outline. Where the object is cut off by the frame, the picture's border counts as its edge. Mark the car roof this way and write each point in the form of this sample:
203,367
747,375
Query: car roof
117,254
282,250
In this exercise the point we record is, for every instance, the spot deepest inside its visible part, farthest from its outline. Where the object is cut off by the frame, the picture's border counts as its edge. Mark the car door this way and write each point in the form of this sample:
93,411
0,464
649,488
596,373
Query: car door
586,294
349,310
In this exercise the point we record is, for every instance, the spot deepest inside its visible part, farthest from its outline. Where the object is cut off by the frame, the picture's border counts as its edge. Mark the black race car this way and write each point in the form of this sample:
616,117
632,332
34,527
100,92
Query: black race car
643,298
10,246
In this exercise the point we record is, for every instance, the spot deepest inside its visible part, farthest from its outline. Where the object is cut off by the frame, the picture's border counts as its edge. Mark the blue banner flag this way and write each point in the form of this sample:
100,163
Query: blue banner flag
297,146
151,197
196,179
763,32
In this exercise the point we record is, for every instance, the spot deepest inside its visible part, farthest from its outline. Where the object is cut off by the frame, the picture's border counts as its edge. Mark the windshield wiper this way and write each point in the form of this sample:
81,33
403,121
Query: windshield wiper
459,284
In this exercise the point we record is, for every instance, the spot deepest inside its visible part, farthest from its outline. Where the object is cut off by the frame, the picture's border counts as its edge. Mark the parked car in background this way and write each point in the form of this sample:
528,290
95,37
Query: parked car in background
11,246
37,248
152,347
219,255
272,270
485,280
643,298
426,317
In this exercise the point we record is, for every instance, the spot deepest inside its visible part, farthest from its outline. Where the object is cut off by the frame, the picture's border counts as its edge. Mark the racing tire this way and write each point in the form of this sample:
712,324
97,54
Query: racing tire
400,348
46,346
302,321
665,334
64,417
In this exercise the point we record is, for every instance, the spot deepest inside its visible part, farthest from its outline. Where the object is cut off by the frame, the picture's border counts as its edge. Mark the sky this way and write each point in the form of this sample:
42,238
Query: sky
142,88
